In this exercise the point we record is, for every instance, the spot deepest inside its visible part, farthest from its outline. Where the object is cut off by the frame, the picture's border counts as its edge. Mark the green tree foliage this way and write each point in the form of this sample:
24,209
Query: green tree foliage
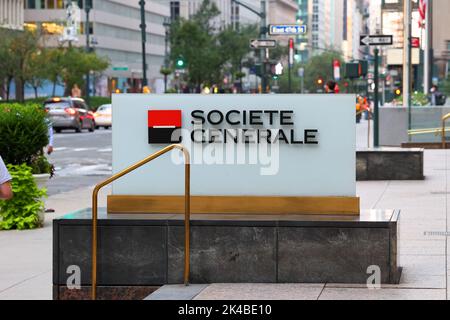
20,48
209,53
24,58
320,66
22,211
74,63
234,45
23,132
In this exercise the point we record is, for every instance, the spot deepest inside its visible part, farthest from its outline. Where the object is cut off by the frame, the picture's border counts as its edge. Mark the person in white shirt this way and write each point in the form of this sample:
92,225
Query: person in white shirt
5,182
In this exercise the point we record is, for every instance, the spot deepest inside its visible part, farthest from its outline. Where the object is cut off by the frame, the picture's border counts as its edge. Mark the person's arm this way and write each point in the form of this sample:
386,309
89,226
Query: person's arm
5,184
6,191
50,139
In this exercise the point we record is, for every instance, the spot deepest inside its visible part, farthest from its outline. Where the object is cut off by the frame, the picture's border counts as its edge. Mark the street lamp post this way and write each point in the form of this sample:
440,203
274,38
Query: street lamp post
87,29
166,51
143,27
263,32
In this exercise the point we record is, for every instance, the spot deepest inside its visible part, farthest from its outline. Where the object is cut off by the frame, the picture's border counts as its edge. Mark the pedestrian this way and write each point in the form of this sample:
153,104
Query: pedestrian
5,182
76,92
50,138
330,87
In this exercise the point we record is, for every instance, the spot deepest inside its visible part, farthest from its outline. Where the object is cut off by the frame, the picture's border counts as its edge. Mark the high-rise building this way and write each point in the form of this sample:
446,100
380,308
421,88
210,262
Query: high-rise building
115,30
441,37
11,14
332,25
230,12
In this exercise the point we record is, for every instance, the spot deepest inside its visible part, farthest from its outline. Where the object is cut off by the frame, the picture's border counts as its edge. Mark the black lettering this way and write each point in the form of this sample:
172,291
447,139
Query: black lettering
281,136
210,117
198,117
286,118
293,141
271,115
193,135
233,123
255,118
310,136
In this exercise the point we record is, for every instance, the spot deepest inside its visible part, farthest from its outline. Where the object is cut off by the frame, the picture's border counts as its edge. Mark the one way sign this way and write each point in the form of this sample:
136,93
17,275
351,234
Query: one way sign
376,40
262,43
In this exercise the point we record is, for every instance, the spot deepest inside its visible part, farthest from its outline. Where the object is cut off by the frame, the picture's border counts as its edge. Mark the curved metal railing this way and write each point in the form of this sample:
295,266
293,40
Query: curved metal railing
187,210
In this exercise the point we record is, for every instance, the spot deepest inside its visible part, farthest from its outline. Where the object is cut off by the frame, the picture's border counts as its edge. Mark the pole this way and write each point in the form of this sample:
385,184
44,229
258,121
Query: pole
376,119
427,58
262,53
88,48
143,27
166,54
407,59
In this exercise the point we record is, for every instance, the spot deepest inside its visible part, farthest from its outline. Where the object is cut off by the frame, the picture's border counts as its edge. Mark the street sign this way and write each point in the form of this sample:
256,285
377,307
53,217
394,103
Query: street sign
376,40
262,43
286,29
120,68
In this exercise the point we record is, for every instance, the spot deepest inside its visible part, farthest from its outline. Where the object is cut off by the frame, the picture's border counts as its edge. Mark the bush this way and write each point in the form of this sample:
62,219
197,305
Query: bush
96,102
40,165
23,132
22,211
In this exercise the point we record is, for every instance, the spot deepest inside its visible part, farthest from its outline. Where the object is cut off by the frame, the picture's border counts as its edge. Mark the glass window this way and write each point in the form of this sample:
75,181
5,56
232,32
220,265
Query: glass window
50,4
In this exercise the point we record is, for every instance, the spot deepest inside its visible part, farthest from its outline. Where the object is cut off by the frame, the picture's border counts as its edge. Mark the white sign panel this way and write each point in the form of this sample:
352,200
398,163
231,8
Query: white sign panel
254,145
286,29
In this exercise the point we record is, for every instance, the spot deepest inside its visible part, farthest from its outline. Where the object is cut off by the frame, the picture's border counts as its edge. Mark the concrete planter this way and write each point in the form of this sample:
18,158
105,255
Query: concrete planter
41,179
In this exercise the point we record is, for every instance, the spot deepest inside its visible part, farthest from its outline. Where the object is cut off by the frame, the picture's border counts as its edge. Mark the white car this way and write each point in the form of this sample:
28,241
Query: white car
103,116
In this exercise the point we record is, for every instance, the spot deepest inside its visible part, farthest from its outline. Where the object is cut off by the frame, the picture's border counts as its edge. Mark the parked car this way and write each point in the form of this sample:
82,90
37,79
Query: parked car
69,113
103,116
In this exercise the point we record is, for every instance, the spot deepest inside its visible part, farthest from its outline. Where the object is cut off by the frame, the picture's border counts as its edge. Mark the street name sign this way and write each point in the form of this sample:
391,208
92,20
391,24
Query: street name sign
262,43
376,40
286,29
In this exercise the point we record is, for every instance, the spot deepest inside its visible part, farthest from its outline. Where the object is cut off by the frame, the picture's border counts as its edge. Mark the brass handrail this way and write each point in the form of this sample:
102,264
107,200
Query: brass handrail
444,119
187,211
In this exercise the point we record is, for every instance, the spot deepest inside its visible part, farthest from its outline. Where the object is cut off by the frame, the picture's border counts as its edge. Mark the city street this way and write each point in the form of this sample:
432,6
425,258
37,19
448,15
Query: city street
80,159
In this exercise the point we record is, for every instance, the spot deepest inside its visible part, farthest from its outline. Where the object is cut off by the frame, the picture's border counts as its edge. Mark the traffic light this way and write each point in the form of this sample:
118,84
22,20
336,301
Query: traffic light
319,81
354,70
398,92
180,63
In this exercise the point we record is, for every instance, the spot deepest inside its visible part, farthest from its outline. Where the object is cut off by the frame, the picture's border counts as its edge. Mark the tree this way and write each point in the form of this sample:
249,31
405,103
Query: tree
195,41
74,63
234,46
36,69
320,66
6,59
22,47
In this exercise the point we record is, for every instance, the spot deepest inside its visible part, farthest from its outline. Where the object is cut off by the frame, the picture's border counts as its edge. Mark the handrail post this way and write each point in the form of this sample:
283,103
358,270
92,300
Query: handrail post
187,211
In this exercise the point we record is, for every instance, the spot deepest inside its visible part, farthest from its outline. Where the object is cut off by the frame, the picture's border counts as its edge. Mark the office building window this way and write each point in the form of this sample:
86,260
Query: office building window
174,10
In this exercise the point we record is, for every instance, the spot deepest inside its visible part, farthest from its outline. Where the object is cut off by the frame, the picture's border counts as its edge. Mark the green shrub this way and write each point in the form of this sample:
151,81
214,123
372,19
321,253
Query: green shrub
23,132
22,211
40,165
95,102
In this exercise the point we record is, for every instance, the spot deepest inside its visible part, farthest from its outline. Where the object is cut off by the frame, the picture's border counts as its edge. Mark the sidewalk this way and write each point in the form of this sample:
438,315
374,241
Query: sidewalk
26,257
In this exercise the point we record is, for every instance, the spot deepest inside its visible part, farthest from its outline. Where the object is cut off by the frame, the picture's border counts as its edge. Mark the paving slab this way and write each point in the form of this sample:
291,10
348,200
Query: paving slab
261,292
382,294
177,292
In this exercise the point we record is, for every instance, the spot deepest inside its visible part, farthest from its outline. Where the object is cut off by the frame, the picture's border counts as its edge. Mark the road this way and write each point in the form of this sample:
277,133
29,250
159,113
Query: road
80,160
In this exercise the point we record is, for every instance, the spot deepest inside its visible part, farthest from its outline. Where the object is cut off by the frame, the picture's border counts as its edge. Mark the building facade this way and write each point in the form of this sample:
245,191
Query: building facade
230,12
11,14
115,33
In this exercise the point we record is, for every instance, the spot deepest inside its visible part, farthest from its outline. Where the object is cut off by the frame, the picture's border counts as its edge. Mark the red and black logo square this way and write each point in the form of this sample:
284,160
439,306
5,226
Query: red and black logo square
163,126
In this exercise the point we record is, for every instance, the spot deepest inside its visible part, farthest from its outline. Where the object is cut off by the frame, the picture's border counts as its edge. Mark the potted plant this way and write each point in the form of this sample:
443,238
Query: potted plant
24,134
42,170
26,209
